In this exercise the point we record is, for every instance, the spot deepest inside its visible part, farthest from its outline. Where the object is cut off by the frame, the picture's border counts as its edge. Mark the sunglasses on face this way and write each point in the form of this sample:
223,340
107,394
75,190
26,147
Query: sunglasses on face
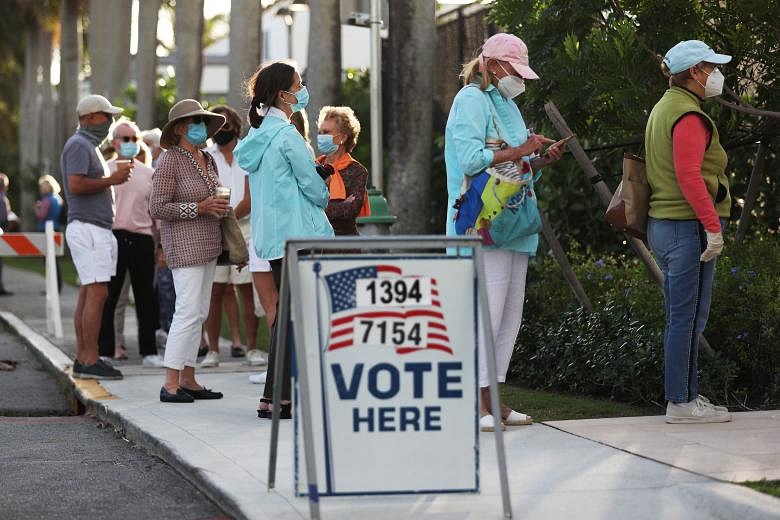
128,138
198,119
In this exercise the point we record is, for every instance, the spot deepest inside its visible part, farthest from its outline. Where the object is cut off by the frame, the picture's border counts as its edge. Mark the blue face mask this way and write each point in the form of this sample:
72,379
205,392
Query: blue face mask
129,150
196,133
302,97
325,144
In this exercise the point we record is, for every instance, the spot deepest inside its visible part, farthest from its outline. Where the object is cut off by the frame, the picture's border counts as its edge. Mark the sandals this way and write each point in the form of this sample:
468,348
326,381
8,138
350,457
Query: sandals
285,411
264,413
517,419
488,424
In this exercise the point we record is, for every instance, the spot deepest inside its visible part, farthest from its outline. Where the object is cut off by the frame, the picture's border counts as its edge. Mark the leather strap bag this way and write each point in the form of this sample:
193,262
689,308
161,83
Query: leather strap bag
630,203
234,248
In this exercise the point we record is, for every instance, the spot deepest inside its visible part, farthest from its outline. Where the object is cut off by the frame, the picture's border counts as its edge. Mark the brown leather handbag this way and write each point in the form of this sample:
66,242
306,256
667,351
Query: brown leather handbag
630,203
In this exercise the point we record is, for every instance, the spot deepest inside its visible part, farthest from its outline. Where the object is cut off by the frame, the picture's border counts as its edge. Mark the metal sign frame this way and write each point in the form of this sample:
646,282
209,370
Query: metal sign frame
463,246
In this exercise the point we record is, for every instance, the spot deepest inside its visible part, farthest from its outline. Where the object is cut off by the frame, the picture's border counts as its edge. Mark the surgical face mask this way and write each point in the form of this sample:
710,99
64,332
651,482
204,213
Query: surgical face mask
196,133
510,86
325,144
302,99
714,85
129,150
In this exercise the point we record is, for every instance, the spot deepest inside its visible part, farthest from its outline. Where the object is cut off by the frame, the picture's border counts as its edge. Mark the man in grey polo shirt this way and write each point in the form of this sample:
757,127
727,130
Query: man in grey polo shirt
87,185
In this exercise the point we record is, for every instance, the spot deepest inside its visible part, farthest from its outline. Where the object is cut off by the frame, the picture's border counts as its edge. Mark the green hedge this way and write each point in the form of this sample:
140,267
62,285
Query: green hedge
617,351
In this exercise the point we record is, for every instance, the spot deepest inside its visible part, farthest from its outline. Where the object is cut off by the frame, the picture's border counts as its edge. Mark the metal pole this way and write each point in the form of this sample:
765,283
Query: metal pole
495,406
304,396
377,159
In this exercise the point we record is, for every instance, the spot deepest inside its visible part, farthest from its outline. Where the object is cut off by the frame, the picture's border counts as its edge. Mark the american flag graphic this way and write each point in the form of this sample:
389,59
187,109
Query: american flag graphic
345,313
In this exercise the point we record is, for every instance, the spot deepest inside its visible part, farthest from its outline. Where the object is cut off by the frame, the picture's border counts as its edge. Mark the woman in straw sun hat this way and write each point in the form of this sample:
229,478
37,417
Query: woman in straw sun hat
184,200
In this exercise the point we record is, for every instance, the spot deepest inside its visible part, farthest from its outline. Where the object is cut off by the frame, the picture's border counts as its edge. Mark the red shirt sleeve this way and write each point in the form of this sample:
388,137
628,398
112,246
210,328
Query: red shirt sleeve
689,142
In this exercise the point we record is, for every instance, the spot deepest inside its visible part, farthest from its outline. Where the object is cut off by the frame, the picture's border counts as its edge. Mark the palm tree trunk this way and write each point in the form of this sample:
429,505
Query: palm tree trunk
48,153
100,35
410,58
246,48
146,62
70,66
188,28
29,121
117,70
323,74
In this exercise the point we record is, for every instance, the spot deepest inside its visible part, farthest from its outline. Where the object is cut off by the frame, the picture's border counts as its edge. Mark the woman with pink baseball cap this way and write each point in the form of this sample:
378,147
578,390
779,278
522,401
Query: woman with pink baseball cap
486,132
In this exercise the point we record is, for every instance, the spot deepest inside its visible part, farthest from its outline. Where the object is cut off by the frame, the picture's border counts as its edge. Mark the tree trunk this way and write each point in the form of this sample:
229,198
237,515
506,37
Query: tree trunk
246,49
70,66
323,74
146,63
188,29
48,153
117,70
99,37
29,121
409,61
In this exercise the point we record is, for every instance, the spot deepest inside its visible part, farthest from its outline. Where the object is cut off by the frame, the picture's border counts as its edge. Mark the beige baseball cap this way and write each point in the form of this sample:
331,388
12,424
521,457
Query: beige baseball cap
95,103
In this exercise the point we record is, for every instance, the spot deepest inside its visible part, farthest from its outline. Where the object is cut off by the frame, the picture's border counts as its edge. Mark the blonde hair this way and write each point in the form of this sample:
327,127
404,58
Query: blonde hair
51,182
346,121
471,71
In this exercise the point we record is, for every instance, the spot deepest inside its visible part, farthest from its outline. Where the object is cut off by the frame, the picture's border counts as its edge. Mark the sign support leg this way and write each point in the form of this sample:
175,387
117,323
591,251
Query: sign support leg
495,405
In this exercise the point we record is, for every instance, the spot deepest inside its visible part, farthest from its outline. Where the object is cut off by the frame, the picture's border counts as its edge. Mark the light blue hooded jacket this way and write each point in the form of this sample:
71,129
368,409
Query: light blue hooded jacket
470,123
288,196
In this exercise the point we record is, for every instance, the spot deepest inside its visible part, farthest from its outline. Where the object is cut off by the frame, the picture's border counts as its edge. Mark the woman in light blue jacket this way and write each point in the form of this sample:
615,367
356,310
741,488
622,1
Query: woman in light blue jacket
482,114
288,196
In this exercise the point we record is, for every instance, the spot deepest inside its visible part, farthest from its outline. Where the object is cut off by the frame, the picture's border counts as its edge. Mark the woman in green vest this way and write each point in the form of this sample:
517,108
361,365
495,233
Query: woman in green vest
689,207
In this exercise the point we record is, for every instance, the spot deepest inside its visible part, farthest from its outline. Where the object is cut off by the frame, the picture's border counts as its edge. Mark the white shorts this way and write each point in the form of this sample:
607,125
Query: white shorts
256,265
231,274
93,250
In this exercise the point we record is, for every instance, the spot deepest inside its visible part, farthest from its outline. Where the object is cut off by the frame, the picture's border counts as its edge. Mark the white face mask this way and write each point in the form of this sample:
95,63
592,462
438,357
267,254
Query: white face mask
510,86
714,85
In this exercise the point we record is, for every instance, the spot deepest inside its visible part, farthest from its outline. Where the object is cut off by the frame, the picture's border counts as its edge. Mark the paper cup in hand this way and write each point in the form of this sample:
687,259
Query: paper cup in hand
223,192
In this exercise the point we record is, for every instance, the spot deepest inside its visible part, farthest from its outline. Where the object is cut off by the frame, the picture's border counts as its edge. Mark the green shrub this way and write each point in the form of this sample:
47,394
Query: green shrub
617,351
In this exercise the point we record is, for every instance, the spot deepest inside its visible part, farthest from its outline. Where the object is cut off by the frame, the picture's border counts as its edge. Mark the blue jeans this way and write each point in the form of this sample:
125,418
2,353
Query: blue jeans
677,246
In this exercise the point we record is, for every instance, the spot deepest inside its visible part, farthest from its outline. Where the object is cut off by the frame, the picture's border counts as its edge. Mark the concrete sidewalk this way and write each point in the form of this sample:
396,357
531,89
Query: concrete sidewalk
637,468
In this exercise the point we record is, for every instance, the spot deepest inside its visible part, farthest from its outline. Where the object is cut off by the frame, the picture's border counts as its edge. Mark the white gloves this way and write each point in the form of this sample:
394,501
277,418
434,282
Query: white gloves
714,246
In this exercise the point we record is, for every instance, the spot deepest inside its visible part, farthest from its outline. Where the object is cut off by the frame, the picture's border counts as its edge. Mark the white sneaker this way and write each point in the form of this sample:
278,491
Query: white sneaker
256,357
258,379
696,411
161,338
211,360
707,401
153,360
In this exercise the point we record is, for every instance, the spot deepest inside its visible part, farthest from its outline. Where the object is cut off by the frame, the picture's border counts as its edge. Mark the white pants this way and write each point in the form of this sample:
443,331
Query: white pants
193,295
505,273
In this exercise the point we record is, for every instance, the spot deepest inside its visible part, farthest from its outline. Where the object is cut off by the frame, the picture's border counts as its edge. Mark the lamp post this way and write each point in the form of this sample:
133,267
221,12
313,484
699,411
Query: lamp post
286,13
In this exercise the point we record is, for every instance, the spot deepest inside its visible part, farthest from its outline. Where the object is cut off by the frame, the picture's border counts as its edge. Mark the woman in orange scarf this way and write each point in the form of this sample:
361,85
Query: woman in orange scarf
337,137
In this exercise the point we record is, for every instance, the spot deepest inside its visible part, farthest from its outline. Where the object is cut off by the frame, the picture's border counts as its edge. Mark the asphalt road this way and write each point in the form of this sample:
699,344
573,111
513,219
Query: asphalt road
55,466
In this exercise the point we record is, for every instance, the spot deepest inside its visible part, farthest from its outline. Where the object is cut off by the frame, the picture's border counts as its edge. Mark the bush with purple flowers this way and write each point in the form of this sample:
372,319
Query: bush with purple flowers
617,351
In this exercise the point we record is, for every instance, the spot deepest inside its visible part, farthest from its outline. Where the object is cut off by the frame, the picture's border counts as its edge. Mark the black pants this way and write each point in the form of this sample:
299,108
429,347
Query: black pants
268,392
136,256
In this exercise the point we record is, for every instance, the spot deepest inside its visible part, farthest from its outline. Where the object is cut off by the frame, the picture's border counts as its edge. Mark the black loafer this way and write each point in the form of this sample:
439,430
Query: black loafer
179,397
203,393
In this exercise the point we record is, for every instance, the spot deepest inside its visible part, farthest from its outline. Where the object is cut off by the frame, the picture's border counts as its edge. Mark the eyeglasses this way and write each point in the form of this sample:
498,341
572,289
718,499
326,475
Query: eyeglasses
199,119
128,138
